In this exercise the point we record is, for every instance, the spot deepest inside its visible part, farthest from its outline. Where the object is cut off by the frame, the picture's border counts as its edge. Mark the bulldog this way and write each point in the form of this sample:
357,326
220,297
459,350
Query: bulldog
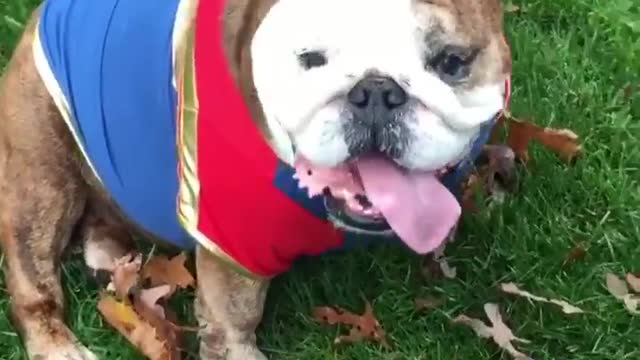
251,131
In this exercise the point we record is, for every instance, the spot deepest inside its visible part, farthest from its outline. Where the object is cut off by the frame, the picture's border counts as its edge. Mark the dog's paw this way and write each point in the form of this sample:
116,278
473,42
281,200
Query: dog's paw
245,352
233,352
68,352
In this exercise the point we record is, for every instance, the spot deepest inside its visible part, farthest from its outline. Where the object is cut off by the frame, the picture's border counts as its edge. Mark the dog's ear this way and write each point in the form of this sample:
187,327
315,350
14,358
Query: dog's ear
241,21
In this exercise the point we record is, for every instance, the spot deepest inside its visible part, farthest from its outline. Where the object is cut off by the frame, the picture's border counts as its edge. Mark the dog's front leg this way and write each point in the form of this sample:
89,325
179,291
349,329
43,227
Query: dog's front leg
229,308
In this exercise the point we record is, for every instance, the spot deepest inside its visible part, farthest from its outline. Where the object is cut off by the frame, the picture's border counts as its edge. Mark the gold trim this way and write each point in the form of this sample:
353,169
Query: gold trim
185,16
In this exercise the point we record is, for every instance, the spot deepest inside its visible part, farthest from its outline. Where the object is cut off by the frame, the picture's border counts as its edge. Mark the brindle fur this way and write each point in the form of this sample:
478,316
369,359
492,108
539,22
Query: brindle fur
49,197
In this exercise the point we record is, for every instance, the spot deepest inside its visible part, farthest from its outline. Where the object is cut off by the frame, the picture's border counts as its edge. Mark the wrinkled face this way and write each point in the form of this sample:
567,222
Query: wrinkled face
410,79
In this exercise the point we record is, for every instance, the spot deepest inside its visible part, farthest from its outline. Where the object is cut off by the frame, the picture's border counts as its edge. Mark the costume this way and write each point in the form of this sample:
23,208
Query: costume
165,129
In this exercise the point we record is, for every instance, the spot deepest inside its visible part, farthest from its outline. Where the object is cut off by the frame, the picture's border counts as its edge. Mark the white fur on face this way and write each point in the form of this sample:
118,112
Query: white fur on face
305,109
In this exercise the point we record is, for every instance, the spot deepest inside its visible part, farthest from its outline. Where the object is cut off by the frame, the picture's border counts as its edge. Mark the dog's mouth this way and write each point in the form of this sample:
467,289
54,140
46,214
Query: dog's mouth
362,220
374,195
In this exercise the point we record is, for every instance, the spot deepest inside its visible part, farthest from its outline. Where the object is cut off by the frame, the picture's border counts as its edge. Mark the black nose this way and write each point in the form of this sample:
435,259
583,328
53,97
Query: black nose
377,106
377,94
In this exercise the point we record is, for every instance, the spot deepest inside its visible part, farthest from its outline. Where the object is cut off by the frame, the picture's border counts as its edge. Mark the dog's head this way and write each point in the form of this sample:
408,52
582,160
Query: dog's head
337,80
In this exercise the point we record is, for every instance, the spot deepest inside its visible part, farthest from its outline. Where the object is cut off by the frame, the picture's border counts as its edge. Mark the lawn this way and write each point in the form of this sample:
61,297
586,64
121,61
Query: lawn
576,63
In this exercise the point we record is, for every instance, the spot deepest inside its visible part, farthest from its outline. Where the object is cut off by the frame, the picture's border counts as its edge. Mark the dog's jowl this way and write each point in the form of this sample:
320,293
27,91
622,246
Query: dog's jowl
252,132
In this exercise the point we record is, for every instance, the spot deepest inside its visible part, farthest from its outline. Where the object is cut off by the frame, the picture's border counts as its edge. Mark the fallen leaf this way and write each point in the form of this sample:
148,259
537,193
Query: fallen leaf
499,332
363,327
577,253
435,266
164,329
511,8
618,288
428,303
628,91
135,311
501,167
430,269
137,331
634,282
469,189
447,270
114,309
495,174
565,143
151,296
354,336
125,275
520,135
161,270
511,288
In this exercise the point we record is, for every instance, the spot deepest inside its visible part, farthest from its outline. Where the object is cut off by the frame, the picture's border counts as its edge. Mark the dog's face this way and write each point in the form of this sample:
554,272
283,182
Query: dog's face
410,79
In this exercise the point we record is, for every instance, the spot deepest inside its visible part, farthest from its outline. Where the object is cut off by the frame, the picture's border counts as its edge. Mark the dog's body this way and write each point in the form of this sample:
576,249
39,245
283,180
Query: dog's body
439,67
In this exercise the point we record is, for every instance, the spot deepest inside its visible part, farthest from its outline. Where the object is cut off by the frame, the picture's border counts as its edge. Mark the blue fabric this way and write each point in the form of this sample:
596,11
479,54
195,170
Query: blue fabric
113,61
454,179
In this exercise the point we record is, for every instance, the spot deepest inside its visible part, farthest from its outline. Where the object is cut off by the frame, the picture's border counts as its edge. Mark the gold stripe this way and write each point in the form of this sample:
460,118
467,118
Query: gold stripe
185,16
189,185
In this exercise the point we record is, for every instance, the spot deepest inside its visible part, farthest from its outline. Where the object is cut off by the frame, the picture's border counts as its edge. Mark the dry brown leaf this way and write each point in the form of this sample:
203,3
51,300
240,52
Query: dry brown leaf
618,288
363,327
436,266
563,142
354,336
494,175
501,165
511,8
136,314
140,333
499,332
469,188
150,297
125,275
520,135
633,281
577,253
428,303
511,288
164,329
161,270
430,268
628,91
447,270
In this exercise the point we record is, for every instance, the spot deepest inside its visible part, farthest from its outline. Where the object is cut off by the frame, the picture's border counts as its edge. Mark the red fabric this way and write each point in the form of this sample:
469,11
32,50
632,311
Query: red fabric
240,209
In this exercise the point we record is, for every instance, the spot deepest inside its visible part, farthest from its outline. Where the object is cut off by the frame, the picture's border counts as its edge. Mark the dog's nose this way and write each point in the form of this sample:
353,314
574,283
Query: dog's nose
377,94
376,104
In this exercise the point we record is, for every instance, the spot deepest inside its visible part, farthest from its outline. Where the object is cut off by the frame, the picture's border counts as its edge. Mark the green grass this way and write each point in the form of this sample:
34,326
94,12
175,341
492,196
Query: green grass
572,60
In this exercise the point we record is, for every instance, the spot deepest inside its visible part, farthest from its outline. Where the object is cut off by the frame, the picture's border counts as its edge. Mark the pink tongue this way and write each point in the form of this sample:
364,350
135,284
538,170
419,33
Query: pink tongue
419,209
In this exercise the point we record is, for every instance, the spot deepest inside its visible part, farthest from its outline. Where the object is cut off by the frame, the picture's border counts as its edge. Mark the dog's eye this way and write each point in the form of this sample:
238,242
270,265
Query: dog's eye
453,64
312,59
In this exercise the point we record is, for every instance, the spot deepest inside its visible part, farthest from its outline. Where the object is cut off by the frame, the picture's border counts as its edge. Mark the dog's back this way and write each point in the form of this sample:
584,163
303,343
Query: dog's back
109,68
